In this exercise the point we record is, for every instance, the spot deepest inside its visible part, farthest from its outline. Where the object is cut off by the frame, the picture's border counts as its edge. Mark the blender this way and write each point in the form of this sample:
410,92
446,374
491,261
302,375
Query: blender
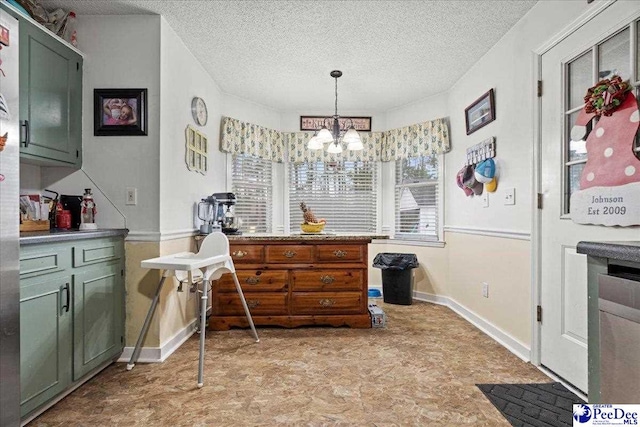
207,209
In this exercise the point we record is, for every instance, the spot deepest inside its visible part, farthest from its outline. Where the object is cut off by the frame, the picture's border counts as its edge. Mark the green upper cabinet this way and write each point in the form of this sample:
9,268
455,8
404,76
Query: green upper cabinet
50,99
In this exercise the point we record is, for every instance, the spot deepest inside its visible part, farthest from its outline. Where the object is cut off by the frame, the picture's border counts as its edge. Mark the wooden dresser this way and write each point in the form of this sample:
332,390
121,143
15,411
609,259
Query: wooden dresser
295,280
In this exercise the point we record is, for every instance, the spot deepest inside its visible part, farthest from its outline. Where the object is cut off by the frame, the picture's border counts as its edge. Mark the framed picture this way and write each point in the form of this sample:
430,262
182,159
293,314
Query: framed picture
480,113
119,112
313,123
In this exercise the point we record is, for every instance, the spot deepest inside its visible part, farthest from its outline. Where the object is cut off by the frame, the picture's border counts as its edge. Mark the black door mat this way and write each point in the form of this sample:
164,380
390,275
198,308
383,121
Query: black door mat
539,405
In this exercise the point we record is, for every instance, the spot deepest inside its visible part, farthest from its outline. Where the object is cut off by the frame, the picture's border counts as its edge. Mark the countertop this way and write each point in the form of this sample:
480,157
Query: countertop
622,251
57,235
298,236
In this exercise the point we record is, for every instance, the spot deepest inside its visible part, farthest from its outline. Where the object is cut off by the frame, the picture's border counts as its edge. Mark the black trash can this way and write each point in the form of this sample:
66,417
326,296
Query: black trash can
396,276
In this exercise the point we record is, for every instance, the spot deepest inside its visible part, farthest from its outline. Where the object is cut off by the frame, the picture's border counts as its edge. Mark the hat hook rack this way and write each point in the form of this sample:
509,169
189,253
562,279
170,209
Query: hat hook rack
481,151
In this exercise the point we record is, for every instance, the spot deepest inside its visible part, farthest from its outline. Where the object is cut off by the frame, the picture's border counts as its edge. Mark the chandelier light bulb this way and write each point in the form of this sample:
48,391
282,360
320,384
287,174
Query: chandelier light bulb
314,144
334,148
324,136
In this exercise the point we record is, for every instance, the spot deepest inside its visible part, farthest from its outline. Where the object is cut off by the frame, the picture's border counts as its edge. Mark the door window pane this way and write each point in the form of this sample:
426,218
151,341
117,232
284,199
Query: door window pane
613,56
577,149
573,178
580,73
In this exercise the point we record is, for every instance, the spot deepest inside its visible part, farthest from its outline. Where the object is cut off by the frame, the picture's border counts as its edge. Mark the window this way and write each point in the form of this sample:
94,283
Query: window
251,178
417,198
611,56
344,193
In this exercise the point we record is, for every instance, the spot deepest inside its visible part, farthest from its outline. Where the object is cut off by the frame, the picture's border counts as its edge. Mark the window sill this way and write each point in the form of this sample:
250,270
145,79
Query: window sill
427,243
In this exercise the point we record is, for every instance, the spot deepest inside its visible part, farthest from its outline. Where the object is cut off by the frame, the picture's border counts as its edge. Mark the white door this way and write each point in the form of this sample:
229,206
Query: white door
601,46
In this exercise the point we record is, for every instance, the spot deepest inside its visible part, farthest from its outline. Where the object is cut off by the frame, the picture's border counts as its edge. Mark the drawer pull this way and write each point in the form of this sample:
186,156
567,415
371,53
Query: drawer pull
340,254
239,254
253,280
327,280
326,302
289,254
253,303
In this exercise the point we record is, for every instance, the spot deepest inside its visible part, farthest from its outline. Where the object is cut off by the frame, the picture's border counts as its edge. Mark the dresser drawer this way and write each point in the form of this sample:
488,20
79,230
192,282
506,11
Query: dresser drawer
36,260
342,253
259,304
327,280
255,281
290,254
319,303
247,254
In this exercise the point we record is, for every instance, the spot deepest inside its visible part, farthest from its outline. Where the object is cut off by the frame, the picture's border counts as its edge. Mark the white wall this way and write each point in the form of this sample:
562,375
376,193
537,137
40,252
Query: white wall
508,68
182,77
432,107
115,163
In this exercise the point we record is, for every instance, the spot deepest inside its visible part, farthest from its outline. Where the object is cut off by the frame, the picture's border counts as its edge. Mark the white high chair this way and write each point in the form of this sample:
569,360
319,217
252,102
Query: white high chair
213,260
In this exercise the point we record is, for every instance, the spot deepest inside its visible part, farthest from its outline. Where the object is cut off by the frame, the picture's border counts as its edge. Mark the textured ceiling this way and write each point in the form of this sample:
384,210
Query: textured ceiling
280,53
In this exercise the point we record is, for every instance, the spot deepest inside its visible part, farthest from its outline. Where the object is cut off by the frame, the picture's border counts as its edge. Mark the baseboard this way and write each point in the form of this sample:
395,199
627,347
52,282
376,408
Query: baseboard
507,341
160,354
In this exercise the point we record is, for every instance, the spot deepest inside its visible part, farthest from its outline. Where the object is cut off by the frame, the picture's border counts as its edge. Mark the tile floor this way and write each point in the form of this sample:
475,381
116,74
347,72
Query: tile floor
420,370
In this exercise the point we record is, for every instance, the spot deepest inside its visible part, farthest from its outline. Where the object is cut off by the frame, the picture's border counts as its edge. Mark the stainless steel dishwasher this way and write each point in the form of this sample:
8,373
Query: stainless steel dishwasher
619,305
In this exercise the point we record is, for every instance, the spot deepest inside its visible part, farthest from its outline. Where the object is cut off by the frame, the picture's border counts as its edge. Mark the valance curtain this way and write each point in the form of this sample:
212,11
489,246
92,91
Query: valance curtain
426,138
247,138
296,143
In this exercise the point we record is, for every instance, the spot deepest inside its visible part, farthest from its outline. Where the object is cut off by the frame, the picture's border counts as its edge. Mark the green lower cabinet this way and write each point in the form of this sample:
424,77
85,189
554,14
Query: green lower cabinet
97,323
71,315
46,340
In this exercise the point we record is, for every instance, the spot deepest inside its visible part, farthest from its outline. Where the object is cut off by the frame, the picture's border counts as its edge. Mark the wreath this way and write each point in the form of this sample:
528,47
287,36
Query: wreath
606,96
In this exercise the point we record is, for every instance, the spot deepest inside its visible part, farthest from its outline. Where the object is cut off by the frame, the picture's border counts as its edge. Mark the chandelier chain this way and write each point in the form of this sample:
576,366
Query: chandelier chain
336,96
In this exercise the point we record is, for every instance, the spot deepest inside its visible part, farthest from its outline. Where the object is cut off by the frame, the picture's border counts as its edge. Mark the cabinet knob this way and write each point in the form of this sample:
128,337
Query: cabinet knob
239,254
327,280
253,303
253,280
340,254
289,254
327,302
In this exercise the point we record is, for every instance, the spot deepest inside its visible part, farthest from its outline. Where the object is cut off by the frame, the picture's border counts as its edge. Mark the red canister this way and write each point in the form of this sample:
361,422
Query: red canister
63,219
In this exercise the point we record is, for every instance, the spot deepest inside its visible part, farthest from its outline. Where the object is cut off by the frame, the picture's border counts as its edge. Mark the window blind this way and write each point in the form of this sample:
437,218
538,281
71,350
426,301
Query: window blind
417,198
252,185
344,193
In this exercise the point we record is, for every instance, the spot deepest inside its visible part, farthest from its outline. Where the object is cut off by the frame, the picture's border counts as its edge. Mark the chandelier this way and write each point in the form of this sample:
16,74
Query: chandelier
334,137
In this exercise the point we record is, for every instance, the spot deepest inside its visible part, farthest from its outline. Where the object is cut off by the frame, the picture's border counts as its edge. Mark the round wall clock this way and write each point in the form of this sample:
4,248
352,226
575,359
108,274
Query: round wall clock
199,111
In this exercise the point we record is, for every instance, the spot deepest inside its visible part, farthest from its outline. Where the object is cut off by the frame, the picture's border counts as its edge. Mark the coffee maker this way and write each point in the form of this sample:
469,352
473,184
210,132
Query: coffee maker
224,213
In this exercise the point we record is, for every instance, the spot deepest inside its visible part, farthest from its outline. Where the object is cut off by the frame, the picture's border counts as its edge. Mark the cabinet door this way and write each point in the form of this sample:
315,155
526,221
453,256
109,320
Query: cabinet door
50,99
98,324
45,340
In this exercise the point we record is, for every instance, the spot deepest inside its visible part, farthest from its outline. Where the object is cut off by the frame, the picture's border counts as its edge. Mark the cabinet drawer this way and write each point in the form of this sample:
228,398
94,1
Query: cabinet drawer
44,259
345,253
246,254
290,254
259,304
255,281
95,251
327,280
320,303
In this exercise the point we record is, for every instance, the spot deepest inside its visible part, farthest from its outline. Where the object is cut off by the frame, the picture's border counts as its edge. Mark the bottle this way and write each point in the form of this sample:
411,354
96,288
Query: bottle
88,211
70,33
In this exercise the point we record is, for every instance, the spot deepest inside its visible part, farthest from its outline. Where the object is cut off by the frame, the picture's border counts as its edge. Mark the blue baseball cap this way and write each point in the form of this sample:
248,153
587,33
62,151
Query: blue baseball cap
485,171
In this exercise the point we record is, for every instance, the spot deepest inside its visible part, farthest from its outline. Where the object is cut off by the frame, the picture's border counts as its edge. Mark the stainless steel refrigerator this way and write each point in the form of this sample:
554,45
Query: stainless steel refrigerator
9,223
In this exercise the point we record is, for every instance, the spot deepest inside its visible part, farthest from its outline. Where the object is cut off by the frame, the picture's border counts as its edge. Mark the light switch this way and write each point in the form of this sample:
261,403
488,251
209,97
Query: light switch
132,196
510,196
485,199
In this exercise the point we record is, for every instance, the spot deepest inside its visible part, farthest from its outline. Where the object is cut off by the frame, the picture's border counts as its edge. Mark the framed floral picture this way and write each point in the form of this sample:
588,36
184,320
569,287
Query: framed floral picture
119,112
480,113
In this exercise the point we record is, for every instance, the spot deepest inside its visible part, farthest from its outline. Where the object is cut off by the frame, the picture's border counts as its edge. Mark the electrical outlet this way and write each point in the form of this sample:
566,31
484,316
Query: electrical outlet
485,289
510,196
485,199
132,196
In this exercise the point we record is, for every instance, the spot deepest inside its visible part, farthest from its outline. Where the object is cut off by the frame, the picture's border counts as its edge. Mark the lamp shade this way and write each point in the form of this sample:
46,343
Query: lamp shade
334,148
351,135
324,136
355,146
314,144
